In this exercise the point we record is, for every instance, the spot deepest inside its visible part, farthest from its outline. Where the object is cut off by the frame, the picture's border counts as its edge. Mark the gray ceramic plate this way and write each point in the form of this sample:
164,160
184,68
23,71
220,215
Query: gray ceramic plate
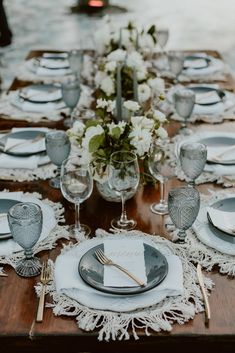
24,135
193,58
5,205
48,93
226,205
205,90
216,141
92,271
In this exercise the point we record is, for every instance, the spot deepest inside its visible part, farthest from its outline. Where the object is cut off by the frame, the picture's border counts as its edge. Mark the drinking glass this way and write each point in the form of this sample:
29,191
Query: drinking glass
70,93
124,177
58,148
76,184
162,37
184,100
25,223
161,170
193,156
75,59
183,206
176,63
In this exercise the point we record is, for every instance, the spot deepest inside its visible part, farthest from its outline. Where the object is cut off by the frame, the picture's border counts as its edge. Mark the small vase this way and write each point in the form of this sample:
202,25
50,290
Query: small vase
109,194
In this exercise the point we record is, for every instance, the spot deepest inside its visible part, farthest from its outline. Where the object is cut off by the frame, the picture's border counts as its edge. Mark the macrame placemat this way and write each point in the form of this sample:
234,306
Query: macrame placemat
49,242
117,325
206,252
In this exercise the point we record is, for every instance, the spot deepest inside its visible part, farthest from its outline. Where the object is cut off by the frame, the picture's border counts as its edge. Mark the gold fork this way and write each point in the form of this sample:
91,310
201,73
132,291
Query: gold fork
44,279
204,294
104,260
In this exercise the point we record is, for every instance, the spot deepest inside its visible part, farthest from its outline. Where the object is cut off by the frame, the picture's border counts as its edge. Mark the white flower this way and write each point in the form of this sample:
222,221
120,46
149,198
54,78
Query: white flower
161,117
112,125
144,92
131,105
135,60
141,140
142,122
110,66
101,103
146,41
111,105
86,156
78,128
91,132
99,77
157,84
162,133
141,73
117,55
107,85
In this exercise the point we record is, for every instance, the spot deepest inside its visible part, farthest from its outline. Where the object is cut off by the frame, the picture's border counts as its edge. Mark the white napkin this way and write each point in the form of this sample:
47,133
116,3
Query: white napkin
34,107
41,96
222,220
198,63
224,153
43,71
217,108
7,247
215,65
122,252
63,55
69,282
24,146
54,63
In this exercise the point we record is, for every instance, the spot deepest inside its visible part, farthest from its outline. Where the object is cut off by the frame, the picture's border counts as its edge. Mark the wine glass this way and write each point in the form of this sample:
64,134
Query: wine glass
161,170
162,38
124,177
76,184
183,206
25,223
75,59
176,63
71,91
193,158
58,148
184,101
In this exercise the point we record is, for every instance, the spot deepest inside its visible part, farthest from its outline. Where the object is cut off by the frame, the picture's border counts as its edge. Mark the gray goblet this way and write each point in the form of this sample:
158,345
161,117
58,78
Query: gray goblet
193,158
183,208
58,148
184,100
176,64
75,59
71,91
25,223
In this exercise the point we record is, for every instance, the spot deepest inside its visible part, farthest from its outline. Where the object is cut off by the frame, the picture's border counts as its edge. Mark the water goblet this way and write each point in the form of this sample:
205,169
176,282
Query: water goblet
193,156
25,223
124,177
162,37
58,148
76,185
71,91
184,100
161,170
183,206
176,64
75,59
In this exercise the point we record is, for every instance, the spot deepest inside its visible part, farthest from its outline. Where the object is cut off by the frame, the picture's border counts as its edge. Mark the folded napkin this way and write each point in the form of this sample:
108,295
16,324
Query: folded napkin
215,65
223,153
63,55
54,63
41,95
44,71
224,221
25,146
197,63
69,282
131,258
7,247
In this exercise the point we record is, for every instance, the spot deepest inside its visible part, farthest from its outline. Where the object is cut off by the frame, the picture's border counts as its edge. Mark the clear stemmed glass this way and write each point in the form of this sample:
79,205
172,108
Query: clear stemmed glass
71,91
75,59
162,38
184,101
183,206
25,223
76,185
124,177
176,63
58,148
193,156
161,170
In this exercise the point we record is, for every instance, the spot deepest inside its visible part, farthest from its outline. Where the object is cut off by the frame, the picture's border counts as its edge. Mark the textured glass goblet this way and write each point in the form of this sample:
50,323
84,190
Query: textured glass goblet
124,177
71,91
25,223
176,64
58,148
183,206
184,100
193,158
75,59
162,37
76,185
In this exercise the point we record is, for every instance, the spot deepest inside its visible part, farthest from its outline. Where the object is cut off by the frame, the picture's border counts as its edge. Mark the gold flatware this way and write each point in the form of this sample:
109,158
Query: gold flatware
44,279
104,260
27,142
204,294
3,275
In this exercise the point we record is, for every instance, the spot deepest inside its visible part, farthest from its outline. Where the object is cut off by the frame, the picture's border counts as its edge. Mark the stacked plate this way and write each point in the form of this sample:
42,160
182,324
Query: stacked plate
201,64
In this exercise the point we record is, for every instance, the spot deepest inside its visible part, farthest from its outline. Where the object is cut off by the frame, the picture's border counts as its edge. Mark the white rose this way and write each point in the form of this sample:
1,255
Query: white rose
78,128
99,77
141,73
142,122
157,84
117,55
135,60
141,140
131,105
91,132
162,133
107,85
110,66
144,92
111,105
101,103
161,117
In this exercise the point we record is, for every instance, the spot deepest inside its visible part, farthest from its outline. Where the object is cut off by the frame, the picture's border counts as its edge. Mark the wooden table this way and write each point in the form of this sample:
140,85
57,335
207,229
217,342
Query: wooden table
18,302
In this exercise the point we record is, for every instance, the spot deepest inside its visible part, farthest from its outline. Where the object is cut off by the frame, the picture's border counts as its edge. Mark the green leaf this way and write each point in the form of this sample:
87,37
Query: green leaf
90,123
95,142
116,132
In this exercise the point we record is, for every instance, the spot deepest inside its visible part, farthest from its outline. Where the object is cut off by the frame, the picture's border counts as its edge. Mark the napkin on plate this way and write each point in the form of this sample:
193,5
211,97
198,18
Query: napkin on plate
223,220
49,95
44,71
217,108
215,65
54,63
198,63
131,258
222,153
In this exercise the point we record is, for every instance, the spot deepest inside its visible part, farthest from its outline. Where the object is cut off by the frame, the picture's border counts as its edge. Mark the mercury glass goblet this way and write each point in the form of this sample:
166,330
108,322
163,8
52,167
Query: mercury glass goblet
176,63
184,100
193,156
124,177
71,91
183,206
76,185
25,223
58,148
75,59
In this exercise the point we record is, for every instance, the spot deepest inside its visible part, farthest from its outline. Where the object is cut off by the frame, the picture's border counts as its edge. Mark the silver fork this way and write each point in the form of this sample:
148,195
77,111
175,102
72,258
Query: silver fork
44,279
104,260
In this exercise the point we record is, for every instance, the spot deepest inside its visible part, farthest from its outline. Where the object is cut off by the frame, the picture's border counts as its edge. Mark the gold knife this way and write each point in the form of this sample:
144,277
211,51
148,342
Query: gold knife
204,294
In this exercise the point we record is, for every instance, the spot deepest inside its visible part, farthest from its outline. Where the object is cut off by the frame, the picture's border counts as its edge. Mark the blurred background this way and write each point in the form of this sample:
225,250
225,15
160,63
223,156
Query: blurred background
58,24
